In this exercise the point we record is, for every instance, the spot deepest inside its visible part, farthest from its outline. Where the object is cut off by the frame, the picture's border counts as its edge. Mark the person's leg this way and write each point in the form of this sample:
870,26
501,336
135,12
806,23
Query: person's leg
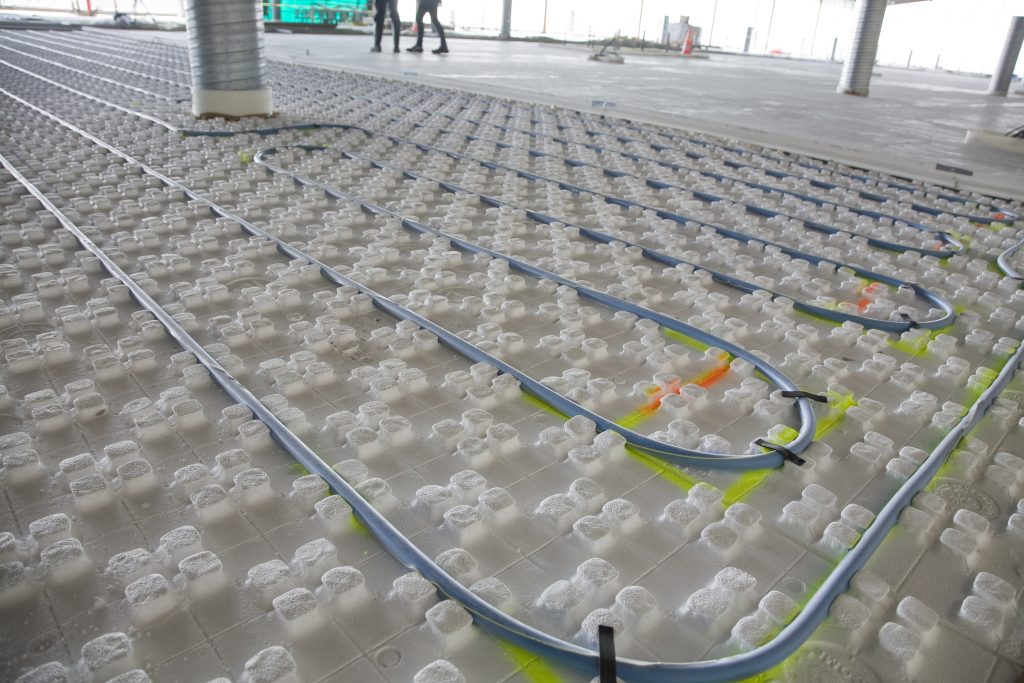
421,10
438,29
378,22
396,23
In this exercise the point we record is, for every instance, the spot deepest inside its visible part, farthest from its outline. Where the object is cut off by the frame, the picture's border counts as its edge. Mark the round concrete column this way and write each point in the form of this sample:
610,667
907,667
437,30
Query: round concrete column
506,20
229,69
856,76
1000,83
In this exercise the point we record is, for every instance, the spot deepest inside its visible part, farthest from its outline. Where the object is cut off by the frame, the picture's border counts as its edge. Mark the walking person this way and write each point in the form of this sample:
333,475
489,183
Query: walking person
378,22
422,9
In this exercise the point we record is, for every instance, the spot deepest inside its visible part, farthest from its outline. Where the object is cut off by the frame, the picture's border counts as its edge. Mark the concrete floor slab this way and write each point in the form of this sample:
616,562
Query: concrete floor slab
684,341
912,121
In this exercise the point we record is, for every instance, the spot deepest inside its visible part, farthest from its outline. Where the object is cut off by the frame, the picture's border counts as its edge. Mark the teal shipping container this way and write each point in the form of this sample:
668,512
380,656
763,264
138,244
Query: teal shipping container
314,12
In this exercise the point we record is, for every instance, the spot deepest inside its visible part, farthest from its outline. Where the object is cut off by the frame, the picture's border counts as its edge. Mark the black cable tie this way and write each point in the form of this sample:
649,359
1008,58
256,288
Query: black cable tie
781,450
910,321
820,398
606,654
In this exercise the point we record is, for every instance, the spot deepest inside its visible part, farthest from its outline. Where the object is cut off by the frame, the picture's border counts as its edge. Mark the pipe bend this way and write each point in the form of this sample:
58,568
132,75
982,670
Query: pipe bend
668,452
730,668
948,311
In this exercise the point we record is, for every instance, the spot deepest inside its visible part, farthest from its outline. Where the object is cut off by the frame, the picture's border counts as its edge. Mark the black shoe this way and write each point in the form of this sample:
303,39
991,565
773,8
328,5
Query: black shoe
375,48
443,50
414,48
397,49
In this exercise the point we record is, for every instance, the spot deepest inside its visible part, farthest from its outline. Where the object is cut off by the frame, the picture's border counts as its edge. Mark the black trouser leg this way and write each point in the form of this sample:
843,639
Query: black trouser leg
438,29
396,23
421,11
378,20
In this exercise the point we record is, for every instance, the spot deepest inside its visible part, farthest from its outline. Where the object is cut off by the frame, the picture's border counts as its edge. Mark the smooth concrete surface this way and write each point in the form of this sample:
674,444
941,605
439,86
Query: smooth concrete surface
912,121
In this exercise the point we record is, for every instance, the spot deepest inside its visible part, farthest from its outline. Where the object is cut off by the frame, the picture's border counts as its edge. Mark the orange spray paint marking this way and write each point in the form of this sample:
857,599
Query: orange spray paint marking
867,291
711,377
658,393
705,380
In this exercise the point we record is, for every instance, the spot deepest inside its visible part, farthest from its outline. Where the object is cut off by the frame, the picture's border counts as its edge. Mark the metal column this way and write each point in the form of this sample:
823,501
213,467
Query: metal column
229,68
857,68
1000,83
506,20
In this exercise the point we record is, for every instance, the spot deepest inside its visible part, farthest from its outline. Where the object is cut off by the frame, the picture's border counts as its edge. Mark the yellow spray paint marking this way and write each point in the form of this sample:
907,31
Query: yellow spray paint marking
533,668
919,345
787,435
748,481
683,339
776,672
988,376
667,472
811,589
985,378
356,525
298,470
769,676
835,415
543,405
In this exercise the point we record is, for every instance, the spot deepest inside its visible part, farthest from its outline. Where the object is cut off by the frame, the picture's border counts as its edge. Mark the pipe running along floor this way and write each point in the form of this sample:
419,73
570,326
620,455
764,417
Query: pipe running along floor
411,384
